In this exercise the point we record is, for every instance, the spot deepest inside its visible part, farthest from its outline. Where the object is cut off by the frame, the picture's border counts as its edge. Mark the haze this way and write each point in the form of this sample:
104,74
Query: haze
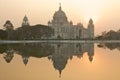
105,13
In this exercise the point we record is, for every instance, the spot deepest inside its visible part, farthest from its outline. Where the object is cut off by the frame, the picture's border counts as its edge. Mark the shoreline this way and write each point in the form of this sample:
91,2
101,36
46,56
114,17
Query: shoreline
59,41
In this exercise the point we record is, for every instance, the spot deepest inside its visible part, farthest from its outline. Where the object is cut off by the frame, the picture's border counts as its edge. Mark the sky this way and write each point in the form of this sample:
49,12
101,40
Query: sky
105,13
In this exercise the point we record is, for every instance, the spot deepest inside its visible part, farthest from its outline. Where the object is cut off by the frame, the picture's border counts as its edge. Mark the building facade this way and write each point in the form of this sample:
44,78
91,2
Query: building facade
64,29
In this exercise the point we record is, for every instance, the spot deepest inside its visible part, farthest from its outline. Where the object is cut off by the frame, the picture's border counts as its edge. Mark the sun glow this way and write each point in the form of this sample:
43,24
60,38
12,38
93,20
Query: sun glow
87,8
94,17
92,9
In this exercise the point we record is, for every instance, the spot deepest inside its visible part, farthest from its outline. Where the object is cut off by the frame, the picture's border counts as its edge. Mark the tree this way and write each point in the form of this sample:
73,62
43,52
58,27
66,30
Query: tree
3,34
9,29
8,25
104,33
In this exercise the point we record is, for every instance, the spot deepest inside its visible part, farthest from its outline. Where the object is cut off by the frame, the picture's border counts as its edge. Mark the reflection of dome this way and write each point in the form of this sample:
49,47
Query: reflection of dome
60,16
59,63
90,58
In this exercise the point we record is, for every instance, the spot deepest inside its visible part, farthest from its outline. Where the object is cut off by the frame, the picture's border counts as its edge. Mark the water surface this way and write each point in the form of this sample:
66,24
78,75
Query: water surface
44,61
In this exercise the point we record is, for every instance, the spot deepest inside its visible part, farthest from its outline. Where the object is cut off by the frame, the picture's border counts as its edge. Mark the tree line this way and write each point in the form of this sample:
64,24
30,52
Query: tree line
25,32
110,35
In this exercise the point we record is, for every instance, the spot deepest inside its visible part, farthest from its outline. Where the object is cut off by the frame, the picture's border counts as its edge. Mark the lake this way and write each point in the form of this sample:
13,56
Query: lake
60,61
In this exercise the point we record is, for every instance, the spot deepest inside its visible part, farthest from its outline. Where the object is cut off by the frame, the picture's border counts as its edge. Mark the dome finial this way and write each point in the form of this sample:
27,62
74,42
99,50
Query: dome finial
60,6
60,71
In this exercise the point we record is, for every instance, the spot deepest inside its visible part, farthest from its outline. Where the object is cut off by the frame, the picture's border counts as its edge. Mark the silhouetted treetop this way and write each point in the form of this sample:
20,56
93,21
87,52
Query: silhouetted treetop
110,35
8,25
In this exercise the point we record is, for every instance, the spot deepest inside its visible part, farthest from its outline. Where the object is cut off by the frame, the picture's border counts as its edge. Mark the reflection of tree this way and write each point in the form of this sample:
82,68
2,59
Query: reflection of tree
25,50
8,52
110,46
3,48
8,56
35,50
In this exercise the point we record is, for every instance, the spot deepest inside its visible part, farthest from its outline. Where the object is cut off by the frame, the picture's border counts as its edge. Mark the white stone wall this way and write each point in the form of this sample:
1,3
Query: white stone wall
67,30
71,32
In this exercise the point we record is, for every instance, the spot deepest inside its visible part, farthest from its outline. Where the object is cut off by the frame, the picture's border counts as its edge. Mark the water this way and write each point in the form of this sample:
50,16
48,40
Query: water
68,61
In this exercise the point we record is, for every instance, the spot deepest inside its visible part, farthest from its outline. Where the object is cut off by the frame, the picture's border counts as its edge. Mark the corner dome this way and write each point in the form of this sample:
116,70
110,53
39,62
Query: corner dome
90,21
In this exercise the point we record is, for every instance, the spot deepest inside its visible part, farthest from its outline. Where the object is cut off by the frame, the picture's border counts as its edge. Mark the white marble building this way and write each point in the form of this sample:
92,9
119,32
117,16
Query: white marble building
64,29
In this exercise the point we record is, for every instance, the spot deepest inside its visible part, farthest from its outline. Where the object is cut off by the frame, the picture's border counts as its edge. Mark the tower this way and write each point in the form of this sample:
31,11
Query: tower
91,29
25,21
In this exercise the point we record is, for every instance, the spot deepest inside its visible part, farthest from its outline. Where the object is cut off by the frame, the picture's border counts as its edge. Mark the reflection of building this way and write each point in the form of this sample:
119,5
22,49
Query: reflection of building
63,52
25,59
66,30
59,62
58,53
91,52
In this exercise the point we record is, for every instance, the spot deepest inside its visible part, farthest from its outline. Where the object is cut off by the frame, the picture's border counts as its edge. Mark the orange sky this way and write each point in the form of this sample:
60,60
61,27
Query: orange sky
105,13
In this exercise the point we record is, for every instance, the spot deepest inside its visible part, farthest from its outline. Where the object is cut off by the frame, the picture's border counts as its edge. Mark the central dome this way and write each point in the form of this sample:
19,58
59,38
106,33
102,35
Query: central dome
60,16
